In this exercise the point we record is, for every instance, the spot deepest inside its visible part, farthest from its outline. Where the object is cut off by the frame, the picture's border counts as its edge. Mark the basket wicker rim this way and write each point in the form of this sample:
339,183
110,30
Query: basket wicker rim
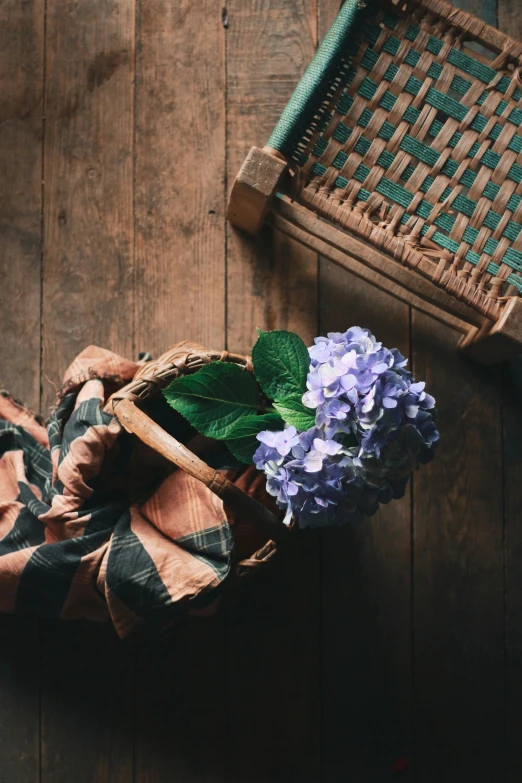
180,359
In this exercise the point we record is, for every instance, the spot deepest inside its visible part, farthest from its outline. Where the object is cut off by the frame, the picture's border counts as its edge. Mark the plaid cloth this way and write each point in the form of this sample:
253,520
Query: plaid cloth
73,542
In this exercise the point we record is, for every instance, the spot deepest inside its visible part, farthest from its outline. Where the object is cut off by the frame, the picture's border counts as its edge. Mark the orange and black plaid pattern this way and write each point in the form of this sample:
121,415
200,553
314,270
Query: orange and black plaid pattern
73,544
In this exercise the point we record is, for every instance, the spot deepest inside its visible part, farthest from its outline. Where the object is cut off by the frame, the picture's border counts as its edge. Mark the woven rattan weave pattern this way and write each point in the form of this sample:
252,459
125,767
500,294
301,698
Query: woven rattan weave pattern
419,150
182,359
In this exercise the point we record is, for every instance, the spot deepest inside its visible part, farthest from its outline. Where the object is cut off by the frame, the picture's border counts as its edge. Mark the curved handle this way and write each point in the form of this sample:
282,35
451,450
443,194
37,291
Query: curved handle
134,420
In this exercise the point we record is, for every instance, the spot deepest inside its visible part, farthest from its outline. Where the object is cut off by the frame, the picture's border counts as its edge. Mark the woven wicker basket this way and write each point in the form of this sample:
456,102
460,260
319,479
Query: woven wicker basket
182,359
399,156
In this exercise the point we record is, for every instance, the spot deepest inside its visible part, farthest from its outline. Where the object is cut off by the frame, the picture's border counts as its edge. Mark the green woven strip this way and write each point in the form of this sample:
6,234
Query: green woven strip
446,104
512,258
412,32
390,20
420,150
340,160
337,48
391,46
388,101
342,133
361,173
429,156
467,64
357,107
318,169
443,102
403,197
394,192
320,146
461,60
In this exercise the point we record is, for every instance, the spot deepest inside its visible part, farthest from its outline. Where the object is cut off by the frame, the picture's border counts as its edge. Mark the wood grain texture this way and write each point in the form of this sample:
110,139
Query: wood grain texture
88,298
458,597
88,261
19,700
512,458
269,43
21,117
367,677
21,112
179,715
509,18
87,699
273,679
273,722
362,260
180,169
253,189
180,257
328,667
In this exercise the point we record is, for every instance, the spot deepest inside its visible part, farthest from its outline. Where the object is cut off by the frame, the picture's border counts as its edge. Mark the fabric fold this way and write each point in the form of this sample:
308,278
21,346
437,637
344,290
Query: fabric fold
75,542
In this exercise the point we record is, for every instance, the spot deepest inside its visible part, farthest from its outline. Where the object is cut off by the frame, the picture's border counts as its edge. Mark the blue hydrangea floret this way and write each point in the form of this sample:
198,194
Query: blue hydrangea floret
374,425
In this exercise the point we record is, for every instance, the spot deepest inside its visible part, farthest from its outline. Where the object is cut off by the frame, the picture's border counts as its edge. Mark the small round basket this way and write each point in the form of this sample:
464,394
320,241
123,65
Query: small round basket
183,359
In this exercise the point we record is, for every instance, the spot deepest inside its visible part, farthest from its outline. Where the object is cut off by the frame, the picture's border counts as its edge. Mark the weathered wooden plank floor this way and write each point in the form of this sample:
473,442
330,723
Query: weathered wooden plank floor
121,127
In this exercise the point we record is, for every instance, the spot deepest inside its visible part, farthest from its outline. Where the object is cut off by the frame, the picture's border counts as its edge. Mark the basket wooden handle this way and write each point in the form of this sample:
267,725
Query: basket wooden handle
134,420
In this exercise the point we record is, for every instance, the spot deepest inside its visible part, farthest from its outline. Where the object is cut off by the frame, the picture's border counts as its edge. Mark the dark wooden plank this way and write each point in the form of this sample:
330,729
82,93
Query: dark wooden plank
21,111
19,700
21,72
458,571
180,257
180,729
21,76
512,422
367,611
367,678
268,48
273,622
510,21
484,9
87,701
180,170
88,262
88,298
273,625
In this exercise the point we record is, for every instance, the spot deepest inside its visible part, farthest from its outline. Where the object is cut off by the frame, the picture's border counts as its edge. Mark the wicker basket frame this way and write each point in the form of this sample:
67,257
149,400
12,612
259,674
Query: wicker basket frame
401,137
183,359
422,179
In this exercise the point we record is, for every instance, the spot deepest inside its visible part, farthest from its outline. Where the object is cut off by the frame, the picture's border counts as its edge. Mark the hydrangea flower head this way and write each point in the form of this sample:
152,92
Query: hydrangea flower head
373,426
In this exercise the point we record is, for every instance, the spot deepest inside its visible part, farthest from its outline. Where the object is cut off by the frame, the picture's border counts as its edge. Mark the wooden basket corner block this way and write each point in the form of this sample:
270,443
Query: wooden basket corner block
399,157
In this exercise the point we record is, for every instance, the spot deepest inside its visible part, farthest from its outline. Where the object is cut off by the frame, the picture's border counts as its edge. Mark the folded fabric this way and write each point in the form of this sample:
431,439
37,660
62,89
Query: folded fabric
76,537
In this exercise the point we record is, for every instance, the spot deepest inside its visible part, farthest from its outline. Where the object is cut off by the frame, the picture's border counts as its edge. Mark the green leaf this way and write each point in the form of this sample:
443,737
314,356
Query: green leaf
281,364
214,398
242,441
294,412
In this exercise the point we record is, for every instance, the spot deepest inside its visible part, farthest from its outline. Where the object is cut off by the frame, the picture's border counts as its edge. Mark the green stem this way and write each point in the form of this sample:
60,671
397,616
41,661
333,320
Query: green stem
266,409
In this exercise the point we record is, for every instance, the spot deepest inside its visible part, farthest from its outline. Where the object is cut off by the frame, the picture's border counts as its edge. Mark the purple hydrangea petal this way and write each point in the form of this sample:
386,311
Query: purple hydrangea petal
374,425
312,399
